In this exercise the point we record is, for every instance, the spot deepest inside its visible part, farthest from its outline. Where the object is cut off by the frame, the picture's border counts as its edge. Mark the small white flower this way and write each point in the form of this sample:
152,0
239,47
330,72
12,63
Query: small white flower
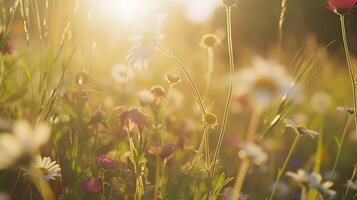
263,82
346,110
301,177
44,168
324,188
25,140
146,97
253,152
145,42
300,129
122,73
312,180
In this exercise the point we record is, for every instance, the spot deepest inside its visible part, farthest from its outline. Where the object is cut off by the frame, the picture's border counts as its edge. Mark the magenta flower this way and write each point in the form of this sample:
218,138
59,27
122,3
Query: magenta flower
105,162
91,186
341,6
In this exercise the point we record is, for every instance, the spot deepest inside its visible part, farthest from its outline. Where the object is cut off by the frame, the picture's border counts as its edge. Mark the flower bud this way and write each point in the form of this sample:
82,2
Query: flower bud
173,78
210,41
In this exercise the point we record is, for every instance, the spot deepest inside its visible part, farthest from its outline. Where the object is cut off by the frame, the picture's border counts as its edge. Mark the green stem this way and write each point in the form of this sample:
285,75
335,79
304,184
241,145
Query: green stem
162,143
210,52
285,164
340,144
253,125
349,183
349,64
184,69
281,22
194,162
229,97
303,193
243,170
207,149
157,176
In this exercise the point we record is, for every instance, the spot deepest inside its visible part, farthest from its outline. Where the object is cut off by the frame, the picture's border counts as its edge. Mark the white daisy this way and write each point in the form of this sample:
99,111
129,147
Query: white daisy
301,177
313,180
263,82
323,187
145,42
253,152
300,129
25,140
44,168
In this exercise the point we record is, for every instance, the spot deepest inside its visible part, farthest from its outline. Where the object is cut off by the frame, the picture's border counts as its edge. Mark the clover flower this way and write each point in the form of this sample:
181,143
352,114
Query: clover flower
300,129
341,6
145,42
24,141
44,168
253,152
106,162
91,186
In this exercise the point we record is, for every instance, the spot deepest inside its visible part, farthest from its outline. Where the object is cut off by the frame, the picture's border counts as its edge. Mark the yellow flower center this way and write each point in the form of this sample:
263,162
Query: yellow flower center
41,171
267,84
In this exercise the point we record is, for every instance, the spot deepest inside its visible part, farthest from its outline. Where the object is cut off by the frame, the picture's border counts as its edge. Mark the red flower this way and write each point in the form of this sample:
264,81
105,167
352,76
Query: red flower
341,6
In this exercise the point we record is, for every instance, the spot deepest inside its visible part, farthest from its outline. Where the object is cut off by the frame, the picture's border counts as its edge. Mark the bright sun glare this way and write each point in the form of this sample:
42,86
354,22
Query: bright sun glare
127,11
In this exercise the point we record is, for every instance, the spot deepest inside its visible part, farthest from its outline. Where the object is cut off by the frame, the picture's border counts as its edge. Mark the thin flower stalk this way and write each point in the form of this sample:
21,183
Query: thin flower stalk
244,166
210,53
349,183
349,64
194,162
253,125
339,147
163,133
184,69
243,170
230,90
285,164
281,22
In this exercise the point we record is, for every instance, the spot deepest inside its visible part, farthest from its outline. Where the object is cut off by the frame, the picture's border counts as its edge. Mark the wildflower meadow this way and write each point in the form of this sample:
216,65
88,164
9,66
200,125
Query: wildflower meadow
178,99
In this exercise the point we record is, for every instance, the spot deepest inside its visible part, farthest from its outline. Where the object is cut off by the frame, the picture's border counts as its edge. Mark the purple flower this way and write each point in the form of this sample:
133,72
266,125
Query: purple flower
105,162
91,186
